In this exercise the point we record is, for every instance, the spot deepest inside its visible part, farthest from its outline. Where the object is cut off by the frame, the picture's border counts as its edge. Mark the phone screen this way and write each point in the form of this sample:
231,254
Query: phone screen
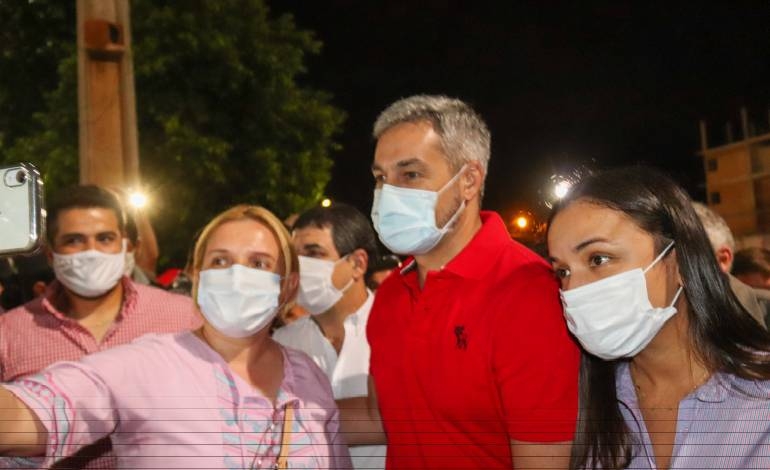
21,211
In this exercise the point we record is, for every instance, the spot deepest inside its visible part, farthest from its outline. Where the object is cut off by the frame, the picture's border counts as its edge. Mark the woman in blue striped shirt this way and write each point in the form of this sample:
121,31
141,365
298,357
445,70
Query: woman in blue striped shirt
676,372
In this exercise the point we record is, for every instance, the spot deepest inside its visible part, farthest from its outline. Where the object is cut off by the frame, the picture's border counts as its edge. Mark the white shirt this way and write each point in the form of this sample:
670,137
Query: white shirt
348,372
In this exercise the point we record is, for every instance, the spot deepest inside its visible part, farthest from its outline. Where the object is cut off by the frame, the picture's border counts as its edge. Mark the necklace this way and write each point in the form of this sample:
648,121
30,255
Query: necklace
641,393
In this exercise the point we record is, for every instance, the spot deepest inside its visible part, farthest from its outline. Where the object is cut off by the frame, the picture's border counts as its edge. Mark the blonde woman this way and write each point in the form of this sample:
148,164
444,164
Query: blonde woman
224,396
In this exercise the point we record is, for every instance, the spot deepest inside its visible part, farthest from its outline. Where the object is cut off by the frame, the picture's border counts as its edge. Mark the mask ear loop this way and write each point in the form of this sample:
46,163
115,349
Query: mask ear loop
660,256
676,296
655,261
460,209
350,282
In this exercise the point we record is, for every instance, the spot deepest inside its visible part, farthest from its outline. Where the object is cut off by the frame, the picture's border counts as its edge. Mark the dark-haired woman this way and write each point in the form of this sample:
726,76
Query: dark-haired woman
676,374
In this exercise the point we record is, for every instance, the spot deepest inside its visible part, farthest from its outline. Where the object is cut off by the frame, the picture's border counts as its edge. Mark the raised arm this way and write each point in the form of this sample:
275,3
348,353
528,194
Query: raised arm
147,252
22,434
360,421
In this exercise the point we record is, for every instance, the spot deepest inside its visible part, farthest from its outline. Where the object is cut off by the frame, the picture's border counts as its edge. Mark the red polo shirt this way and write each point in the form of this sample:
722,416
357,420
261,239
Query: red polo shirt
479,356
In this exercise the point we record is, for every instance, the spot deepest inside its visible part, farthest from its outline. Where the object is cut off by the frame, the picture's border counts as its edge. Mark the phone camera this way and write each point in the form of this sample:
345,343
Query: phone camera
21,176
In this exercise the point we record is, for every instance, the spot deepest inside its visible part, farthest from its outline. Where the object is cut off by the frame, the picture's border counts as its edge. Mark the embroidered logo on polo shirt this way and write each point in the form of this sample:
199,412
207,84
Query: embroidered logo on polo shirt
461,337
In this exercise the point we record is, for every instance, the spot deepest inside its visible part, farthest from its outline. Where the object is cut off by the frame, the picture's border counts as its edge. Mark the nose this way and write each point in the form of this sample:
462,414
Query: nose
91,243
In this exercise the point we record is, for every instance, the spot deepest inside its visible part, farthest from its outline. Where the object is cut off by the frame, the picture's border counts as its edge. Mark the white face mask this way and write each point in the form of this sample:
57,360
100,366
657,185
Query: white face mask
405,219
238,301
613,317
90,273
317,293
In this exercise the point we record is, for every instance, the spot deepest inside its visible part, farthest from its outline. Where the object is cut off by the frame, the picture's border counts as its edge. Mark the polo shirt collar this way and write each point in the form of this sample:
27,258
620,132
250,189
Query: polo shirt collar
57,291
358,318
477,258
474,261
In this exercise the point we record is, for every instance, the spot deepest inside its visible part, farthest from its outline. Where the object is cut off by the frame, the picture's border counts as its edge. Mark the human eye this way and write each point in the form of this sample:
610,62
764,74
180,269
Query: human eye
72,240
379,178
597,260
315,253
561,272
261,263
411,175
219,261
106,238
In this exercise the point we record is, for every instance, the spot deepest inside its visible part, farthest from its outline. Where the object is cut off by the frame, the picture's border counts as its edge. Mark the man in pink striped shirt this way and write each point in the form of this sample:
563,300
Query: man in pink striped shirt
92,305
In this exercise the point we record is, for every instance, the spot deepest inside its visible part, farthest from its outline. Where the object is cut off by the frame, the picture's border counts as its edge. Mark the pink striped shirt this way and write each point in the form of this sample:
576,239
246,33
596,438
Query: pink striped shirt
36,335
170,401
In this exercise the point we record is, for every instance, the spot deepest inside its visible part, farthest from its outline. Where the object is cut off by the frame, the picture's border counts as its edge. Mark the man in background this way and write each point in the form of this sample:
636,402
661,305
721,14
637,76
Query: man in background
755,301
335,245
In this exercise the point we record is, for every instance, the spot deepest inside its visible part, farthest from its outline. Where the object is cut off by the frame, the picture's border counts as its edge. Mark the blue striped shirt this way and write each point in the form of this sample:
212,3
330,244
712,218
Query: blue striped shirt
723,424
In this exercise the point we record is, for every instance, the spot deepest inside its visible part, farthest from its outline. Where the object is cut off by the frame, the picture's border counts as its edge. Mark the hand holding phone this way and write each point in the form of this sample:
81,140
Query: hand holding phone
22,216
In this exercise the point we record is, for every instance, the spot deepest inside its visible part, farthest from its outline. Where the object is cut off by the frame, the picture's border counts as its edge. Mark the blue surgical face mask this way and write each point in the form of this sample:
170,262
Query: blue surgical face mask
405,219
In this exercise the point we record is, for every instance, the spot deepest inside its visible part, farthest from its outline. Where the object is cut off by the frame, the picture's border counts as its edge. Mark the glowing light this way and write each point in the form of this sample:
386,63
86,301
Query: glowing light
326,202
561,188
137,199
521,222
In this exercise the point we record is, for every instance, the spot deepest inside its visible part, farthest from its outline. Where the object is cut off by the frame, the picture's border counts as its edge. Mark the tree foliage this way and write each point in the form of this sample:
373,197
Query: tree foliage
222,116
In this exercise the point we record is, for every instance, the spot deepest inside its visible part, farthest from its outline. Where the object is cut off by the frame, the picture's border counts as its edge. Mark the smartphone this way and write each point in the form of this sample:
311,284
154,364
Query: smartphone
22,215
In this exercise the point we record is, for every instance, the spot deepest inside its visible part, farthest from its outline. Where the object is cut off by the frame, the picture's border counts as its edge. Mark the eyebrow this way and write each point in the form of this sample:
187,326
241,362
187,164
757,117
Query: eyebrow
313,246
401,163
226,251
588,242
86,235
581,246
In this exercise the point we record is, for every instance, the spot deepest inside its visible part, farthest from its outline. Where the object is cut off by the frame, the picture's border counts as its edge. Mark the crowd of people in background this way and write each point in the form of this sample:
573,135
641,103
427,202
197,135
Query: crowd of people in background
639,341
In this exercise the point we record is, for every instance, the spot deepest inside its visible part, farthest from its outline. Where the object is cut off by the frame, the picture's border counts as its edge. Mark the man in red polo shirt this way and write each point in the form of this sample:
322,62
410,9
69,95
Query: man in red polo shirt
471,361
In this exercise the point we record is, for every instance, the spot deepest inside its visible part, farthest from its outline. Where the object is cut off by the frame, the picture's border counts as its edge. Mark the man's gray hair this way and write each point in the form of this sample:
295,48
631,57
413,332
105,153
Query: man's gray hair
463,134
716,228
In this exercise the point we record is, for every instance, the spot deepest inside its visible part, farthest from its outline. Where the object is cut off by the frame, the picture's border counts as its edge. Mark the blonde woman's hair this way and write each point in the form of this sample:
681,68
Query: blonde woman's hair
287,261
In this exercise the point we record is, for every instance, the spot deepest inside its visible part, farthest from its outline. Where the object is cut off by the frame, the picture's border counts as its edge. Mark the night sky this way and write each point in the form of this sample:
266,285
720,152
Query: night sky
559,84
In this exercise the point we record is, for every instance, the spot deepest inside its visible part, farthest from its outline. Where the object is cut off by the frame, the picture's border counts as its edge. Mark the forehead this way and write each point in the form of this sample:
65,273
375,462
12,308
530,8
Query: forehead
312,235
243,235
581,221
409,140
86,220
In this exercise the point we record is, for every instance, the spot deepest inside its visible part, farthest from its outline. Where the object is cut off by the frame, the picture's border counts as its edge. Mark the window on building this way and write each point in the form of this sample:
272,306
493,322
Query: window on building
715,198
711,164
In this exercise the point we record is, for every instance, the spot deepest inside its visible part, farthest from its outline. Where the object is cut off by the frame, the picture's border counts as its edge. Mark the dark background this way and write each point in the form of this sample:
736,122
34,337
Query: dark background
559,84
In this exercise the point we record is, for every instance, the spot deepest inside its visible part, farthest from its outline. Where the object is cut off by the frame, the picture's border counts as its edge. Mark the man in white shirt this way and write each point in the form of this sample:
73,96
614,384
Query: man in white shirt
335,245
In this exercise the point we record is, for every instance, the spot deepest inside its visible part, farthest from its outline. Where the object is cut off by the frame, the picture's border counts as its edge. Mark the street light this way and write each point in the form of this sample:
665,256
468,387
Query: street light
137,199
522,222
326,202
561,188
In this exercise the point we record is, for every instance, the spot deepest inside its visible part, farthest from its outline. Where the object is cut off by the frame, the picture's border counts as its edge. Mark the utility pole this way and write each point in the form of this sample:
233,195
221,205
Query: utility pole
108,144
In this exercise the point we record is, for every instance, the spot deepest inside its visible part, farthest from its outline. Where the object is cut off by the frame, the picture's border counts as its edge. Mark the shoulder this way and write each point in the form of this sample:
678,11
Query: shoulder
305,373
297,332
154,294
516,260
746,389
151,348
394,288
23,314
